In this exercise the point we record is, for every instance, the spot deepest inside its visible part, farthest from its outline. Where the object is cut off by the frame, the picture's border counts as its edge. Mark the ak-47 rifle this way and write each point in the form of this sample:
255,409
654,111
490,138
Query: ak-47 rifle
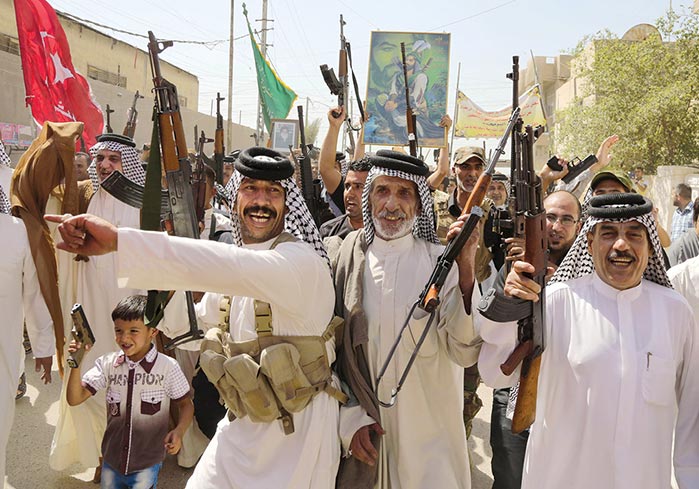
108,111
310,187
529,224
199,178
339,85
132,119
410,116
219,149
429,298
178,170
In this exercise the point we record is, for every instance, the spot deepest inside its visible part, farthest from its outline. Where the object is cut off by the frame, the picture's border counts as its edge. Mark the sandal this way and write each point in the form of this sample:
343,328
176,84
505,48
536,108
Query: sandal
22,387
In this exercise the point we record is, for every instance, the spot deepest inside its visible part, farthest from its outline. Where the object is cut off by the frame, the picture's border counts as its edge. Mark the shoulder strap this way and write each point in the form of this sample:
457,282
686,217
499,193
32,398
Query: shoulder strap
263,311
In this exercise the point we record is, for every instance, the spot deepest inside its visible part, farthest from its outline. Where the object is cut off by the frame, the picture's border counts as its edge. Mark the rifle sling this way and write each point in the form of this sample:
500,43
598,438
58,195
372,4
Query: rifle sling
354,82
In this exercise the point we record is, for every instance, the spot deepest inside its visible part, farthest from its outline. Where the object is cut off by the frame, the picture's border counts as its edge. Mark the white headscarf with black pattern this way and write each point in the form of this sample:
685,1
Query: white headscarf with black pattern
130,163
5,205
424,227
578,261
298,220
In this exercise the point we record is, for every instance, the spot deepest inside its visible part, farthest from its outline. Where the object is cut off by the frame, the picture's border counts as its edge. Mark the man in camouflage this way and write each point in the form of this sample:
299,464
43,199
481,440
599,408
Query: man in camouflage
468,165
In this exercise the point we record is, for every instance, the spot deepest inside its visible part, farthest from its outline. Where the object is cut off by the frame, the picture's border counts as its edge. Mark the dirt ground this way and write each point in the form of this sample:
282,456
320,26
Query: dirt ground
36,416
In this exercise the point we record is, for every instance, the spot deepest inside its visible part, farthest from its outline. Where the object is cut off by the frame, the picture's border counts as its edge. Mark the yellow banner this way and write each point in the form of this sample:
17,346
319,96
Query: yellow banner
474,122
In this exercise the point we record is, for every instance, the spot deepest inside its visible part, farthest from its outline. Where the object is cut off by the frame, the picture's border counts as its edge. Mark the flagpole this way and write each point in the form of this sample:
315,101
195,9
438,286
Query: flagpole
229,125
260,123
450,149
541,92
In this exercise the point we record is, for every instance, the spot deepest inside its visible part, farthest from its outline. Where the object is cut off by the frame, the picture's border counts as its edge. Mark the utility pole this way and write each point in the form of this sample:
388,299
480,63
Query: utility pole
229,123
263,49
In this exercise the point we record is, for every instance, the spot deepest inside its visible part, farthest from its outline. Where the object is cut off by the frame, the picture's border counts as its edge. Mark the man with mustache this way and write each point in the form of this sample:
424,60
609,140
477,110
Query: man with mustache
279,278
379,272
619,375
80,429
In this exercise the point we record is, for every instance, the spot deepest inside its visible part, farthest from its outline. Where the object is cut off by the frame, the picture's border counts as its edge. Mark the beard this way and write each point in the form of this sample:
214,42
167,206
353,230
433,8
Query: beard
398,230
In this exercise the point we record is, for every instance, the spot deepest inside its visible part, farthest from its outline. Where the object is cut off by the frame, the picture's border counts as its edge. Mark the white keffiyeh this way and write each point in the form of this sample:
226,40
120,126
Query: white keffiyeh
424,227
130,163
298,220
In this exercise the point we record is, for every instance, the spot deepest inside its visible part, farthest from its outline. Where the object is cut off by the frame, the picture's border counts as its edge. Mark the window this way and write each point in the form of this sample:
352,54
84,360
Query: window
9,44
106,76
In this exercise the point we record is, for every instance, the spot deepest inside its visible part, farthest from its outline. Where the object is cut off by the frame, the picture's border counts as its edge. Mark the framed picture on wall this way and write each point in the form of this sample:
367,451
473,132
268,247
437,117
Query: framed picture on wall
285,133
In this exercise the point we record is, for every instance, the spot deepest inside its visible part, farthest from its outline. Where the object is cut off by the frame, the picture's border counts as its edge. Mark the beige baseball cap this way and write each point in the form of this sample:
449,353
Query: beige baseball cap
468,152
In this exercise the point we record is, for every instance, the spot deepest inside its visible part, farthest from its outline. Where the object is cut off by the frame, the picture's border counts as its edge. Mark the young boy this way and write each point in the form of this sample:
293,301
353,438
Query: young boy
140,383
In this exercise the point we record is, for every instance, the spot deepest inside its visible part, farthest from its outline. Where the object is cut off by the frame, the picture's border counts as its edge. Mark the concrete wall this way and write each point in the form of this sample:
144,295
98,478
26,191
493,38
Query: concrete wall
662,186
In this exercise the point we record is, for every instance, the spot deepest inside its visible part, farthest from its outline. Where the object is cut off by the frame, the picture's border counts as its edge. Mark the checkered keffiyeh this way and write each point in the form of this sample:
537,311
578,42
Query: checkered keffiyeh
424,224
4,200
298,220
130,163
578,261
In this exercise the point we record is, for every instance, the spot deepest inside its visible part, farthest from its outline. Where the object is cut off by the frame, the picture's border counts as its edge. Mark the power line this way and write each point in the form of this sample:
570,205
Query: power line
209,44
474,15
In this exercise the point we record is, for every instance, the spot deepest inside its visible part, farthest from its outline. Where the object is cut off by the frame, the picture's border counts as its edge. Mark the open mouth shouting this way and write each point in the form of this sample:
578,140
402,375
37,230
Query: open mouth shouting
259,215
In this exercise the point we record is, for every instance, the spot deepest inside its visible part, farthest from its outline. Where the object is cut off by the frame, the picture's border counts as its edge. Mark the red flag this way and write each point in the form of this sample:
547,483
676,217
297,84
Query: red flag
55,90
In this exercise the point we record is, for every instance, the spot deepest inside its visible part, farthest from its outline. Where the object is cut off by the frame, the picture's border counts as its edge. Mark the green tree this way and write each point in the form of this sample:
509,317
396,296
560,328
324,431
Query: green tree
645,91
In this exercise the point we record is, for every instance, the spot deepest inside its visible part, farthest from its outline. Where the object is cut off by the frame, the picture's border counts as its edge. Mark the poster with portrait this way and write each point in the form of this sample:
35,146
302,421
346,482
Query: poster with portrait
285,132
427,66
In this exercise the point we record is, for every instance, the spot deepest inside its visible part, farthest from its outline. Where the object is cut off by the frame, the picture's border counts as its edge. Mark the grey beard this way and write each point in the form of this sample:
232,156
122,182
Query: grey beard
405,228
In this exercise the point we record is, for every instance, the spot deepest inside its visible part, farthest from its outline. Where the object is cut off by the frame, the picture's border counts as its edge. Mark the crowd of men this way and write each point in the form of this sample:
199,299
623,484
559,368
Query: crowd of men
299,380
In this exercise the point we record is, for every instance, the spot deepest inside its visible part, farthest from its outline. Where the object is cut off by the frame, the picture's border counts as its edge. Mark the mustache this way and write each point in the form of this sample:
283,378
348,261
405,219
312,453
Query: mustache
260,209
621,254
397,213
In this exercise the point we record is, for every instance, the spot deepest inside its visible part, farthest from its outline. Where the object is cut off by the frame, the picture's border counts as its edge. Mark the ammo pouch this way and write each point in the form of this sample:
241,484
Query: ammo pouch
271,376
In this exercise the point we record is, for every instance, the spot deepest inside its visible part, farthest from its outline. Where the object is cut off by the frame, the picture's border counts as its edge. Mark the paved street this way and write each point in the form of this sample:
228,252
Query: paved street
35,419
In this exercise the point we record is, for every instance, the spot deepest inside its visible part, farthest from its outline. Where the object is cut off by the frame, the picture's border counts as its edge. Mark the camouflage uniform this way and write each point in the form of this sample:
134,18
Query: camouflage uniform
447,211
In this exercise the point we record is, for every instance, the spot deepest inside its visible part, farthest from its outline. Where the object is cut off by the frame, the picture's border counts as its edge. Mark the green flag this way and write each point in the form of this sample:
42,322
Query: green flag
276,98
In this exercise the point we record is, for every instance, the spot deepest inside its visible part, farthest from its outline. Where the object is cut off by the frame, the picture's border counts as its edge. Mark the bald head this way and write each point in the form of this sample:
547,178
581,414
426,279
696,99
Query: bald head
563,213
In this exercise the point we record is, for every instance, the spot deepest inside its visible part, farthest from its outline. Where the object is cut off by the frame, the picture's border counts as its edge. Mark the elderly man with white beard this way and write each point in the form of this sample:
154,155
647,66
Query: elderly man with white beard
379,272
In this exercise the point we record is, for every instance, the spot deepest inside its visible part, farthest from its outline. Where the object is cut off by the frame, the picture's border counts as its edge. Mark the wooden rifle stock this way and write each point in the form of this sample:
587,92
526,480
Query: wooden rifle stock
132,119
219,149
430,297
178,173
410,118
531,218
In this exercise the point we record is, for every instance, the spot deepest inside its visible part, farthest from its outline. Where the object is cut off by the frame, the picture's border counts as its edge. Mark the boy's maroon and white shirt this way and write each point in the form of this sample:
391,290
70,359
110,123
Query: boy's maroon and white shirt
138,406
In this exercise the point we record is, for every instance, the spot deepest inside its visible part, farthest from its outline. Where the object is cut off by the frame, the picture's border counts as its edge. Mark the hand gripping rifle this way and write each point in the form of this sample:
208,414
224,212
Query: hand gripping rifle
132,119
339,85
529,224
429,298
219,149
182,219
410,116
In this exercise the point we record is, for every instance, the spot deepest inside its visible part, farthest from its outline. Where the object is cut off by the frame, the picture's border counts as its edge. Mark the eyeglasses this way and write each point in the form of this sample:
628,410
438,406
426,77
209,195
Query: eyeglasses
565,221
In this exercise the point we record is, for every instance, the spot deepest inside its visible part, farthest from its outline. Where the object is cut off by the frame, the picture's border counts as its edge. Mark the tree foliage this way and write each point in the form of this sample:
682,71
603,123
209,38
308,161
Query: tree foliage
646,91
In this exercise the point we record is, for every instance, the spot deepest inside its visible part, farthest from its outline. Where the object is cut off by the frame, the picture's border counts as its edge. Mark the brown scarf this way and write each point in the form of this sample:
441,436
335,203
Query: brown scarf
352,363
47,163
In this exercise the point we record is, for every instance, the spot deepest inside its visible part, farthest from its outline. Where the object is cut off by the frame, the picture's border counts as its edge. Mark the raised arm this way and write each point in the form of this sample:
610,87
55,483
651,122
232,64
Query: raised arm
328,173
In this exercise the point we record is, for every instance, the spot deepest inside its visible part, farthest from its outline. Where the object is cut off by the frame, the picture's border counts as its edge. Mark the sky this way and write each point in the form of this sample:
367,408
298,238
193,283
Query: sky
485,35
